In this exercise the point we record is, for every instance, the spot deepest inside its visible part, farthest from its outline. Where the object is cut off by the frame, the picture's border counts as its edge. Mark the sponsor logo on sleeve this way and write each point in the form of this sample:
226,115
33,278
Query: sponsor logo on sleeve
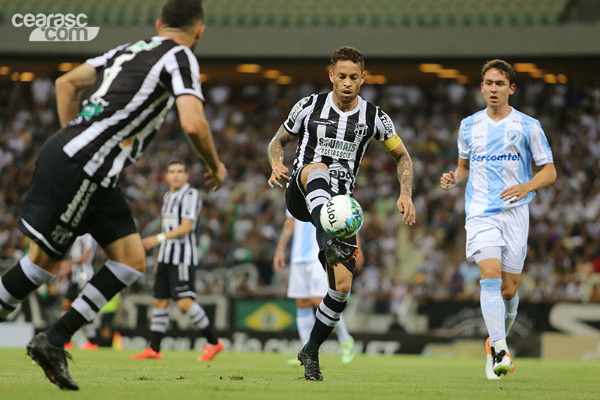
298,109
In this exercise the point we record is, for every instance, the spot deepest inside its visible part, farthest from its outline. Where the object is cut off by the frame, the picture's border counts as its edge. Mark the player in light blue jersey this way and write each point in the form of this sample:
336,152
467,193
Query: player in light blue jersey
308,281
496,148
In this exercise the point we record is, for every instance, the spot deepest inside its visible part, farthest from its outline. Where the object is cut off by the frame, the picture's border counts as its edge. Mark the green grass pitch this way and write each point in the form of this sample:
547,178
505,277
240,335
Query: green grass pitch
111,375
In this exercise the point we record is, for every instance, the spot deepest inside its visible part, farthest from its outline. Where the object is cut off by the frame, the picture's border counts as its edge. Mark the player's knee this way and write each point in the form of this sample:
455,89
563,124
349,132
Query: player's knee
344,287
161,303
508,293
303,303
185,304
138,263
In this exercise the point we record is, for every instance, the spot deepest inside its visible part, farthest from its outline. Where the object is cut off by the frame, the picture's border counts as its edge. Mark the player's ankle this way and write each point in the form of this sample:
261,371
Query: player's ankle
500,345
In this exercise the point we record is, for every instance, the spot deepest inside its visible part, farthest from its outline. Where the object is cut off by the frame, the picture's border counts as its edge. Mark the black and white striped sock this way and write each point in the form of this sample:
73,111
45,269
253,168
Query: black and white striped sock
104,285
18,282
317,194
327,315
201,321
158,327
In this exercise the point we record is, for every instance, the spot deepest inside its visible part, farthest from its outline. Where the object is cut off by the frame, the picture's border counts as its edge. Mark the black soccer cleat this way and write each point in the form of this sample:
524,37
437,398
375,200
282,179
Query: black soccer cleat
337,251
310,360
53,361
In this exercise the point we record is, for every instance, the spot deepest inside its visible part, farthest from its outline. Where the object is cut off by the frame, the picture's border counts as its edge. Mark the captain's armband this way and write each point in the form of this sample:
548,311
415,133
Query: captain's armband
391,143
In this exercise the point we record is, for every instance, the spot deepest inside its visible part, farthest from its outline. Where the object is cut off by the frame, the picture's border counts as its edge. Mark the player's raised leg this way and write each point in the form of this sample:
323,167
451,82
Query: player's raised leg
316,182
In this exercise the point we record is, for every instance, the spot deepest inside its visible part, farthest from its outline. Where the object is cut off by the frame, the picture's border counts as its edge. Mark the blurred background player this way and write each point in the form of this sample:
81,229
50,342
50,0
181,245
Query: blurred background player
79,269
333,131
74,188
176,264
496,148
308,281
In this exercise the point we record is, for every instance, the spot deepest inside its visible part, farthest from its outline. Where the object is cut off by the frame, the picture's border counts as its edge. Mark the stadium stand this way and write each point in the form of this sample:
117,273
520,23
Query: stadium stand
314,13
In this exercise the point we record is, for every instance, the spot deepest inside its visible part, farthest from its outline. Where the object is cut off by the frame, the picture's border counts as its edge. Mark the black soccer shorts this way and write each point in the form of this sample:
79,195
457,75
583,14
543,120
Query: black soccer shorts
63,202
295,201
175,281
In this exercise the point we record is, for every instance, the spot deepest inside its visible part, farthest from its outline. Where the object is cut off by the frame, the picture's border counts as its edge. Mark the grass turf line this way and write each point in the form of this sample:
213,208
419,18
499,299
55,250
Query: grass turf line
111,375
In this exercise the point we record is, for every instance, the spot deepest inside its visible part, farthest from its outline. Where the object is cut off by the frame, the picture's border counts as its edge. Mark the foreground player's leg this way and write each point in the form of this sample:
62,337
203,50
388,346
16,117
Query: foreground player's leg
46,348
327,316
18,282
346,341
316,180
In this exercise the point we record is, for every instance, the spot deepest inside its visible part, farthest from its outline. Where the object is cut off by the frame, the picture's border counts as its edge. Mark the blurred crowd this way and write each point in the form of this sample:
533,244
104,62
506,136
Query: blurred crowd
241,223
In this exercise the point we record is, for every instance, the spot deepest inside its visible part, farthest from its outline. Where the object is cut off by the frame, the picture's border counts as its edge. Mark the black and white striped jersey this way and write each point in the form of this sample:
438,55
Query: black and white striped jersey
182,204
336,138
135,87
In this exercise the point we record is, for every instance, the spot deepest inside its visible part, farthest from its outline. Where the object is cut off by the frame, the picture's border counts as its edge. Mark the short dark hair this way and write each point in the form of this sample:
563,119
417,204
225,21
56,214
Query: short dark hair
501,66
347,53
178,161
182,14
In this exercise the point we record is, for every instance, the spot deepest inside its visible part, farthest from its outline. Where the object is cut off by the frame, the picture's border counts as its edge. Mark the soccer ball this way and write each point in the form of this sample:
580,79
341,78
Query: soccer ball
341,216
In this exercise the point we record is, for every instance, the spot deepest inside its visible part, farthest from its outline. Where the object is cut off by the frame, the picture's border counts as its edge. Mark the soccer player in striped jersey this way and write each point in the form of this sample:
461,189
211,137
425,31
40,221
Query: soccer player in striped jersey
333,131
177,262
308,282
496,148
74,189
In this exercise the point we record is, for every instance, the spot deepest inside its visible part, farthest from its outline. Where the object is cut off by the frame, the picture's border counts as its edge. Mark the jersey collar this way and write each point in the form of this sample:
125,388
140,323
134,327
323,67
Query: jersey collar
337,110
184,188
491,121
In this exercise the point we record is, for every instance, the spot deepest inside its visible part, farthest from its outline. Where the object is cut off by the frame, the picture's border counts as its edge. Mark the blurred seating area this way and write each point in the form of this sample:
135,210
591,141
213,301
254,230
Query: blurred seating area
318,13
240,224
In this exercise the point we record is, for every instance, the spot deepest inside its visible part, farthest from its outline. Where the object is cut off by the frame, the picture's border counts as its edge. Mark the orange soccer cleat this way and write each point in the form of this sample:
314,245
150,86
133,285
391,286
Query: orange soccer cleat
211,350
147,354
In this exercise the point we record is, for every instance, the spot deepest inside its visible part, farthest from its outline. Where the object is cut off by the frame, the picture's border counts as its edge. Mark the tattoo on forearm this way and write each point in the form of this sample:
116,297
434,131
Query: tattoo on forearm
281,139
405,173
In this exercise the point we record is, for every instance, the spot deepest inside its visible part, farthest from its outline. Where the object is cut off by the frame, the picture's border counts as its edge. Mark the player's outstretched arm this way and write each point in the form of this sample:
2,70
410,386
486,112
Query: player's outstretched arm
275,151
546,176
286,234
68,87
404,168
451,179
183,229
196,127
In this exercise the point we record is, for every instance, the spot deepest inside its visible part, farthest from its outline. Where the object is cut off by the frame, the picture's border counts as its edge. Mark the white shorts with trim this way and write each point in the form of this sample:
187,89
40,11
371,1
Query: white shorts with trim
307,280
508,230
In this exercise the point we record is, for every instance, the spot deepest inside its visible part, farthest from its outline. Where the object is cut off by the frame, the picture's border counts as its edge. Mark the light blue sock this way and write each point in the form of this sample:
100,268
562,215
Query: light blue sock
511,312
492,308
305,320
342,330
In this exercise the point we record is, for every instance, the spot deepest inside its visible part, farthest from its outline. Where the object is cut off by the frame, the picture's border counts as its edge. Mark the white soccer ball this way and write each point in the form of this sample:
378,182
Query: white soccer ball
341,216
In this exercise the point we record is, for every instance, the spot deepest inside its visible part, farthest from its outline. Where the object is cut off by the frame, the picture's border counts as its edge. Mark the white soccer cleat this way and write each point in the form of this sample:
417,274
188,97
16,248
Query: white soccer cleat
489,364
503,363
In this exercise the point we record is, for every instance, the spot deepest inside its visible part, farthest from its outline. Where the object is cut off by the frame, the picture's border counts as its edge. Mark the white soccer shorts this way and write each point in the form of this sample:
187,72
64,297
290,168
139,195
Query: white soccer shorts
508,230
307,280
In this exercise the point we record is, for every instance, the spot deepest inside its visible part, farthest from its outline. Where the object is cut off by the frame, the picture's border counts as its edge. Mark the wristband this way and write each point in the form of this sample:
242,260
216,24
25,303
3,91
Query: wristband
161,237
